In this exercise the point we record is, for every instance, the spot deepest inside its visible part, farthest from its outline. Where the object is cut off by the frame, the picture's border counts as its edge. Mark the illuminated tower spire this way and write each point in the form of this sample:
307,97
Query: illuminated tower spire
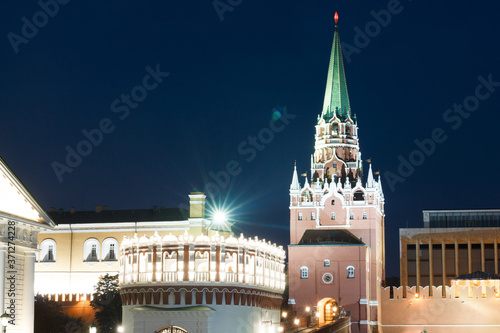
295,179
336,96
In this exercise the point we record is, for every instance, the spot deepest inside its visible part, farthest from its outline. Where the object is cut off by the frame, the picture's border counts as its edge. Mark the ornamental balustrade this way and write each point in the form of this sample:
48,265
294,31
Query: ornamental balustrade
202,260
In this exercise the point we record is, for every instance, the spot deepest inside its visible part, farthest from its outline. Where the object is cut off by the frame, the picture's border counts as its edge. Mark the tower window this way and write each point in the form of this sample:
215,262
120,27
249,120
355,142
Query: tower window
365,216
335,165
304,272
313,216
350,272
333,202
300,216
327,262
333,216
351,216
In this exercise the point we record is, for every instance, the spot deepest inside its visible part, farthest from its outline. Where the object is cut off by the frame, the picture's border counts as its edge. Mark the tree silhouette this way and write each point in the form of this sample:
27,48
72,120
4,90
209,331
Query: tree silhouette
108,304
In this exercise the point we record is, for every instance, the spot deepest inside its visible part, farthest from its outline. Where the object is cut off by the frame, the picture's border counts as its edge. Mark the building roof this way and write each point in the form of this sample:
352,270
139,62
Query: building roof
479,275
329,237
336,96
127,215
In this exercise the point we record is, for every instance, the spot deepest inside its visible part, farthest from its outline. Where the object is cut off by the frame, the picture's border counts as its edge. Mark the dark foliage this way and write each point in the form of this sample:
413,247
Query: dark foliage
108,304
49,318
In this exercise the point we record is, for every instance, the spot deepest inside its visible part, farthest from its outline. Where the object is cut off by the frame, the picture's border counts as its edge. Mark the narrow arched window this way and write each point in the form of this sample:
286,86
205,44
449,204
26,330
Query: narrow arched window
300,216
48,251
365,216
304,272
350,272
333,216
351,216
109,249
91,250
313,216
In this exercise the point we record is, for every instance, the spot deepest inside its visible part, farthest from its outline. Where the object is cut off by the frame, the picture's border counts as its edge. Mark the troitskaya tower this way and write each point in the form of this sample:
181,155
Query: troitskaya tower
336,251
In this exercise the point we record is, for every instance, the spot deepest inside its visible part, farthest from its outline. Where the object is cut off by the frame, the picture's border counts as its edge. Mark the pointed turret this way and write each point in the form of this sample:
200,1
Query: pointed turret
370,182
379,183
295,179
336,96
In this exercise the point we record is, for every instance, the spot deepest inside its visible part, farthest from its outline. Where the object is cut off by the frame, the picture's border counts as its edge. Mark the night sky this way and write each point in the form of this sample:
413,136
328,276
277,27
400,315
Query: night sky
229,74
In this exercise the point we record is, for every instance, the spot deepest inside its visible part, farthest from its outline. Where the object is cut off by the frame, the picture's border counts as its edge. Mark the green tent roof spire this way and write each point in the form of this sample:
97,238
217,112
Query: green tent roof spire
336,96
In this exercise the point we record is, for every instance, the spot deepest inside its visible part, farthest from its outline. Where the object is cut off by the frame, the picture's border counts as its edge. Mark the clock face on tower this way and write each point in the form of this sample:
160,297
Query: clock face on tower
327,278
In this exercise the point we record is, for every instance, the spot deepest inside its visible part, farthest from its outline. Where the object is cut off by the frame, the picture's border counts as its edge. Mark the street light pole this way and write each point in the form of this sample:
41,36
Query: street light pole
5,321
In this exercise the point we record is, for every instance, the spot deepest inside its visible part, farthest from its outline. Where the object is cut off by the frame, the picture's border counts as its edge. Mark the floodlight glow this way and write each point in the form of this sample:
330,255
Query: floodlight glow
219,217
308,308
296,321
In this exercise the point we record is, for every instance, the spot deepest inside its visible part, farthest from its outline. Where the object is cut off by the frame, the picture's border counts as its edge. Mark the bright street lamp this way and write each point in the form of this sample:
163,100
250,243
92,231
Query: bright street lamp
120,329
308,308
92,328
5,321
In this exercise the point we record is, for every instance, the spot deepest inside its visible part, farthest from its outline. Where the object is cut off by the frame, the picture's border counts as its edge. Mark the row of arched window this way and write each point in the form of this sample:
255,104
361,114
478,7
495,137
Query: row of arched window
332,217
92,250
304,270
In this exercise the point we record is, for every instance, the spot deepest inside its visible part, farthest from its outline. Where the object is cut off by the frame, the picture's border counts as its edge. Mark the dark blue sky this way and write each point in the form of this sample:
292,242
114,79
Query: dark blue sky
225,80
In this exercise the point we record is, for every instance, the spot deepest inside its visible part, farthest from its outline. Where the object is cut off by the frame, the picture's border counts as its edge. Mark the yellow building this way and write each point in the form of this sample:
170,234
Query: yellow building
85,244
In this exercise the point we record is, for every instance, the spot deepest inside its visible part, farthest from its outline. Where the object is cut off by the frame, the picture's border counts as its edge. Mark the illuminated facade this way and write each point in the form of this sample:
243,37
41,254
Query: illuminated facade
178,273
21,219
336,251
452,243
201,283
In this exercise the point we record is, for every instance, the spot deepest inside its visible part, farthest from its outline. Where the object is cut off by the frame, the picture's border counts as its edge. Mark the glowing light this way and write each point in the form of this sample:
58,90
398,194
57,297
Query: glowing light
334,309
280,329
308,309
416,295
5,319
318,314
296,321
336,17
284,314
120,329
276,114
219,217
92,328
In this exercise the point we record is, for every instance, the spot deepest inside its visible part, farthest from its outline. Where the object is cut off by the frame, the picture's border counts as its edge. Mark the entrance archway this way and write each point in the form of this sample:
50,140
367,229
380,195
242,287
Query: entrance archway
328,309
171,329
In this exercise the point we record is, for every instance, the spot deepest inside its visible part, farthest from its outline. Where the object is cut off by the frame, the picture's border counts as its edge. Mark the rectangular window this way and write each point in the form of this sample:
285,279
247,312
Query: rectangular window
93,252
112,252
50,254
313,216
300,216
333,216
